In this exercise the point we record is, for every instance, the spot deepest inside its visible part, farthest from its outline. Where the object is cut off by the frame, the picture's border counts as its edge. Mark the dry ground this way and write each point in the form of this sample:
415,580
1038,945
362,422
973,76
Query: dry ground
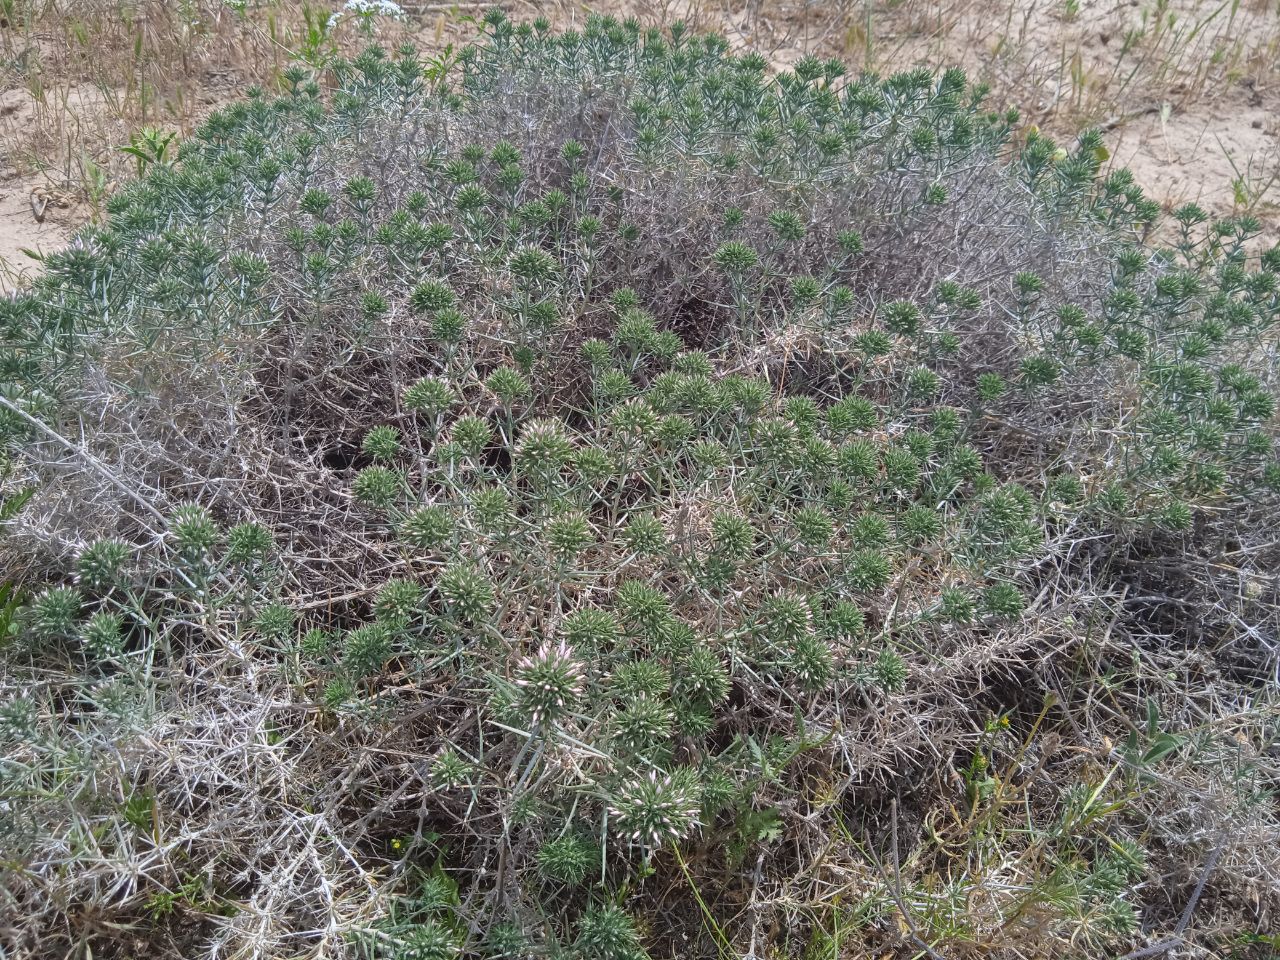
1187,91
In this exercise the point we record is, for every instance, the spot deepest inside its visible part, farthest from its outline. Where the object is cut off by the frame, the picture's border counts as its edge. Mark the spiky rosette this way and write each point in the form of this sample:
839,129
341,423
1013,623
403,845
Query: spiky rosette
652,810
550,682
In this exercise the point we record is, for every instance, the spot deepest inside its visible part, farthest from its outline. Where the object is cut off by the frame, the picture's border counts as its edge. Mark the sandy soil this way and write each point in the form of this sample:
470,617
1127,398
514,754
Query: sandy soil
1192,105
20,231
39,211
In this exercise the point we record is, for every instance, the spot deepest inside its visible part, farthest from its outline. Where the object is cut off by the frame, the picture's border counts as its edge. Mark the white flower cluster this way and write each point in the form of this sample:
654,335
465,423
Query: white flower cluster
366,9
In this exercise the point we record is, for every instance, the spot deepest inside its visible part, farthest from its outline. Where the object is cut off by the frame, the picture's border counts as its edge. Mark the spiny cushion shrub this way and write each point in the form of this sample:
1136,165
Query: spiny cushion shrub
568,504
